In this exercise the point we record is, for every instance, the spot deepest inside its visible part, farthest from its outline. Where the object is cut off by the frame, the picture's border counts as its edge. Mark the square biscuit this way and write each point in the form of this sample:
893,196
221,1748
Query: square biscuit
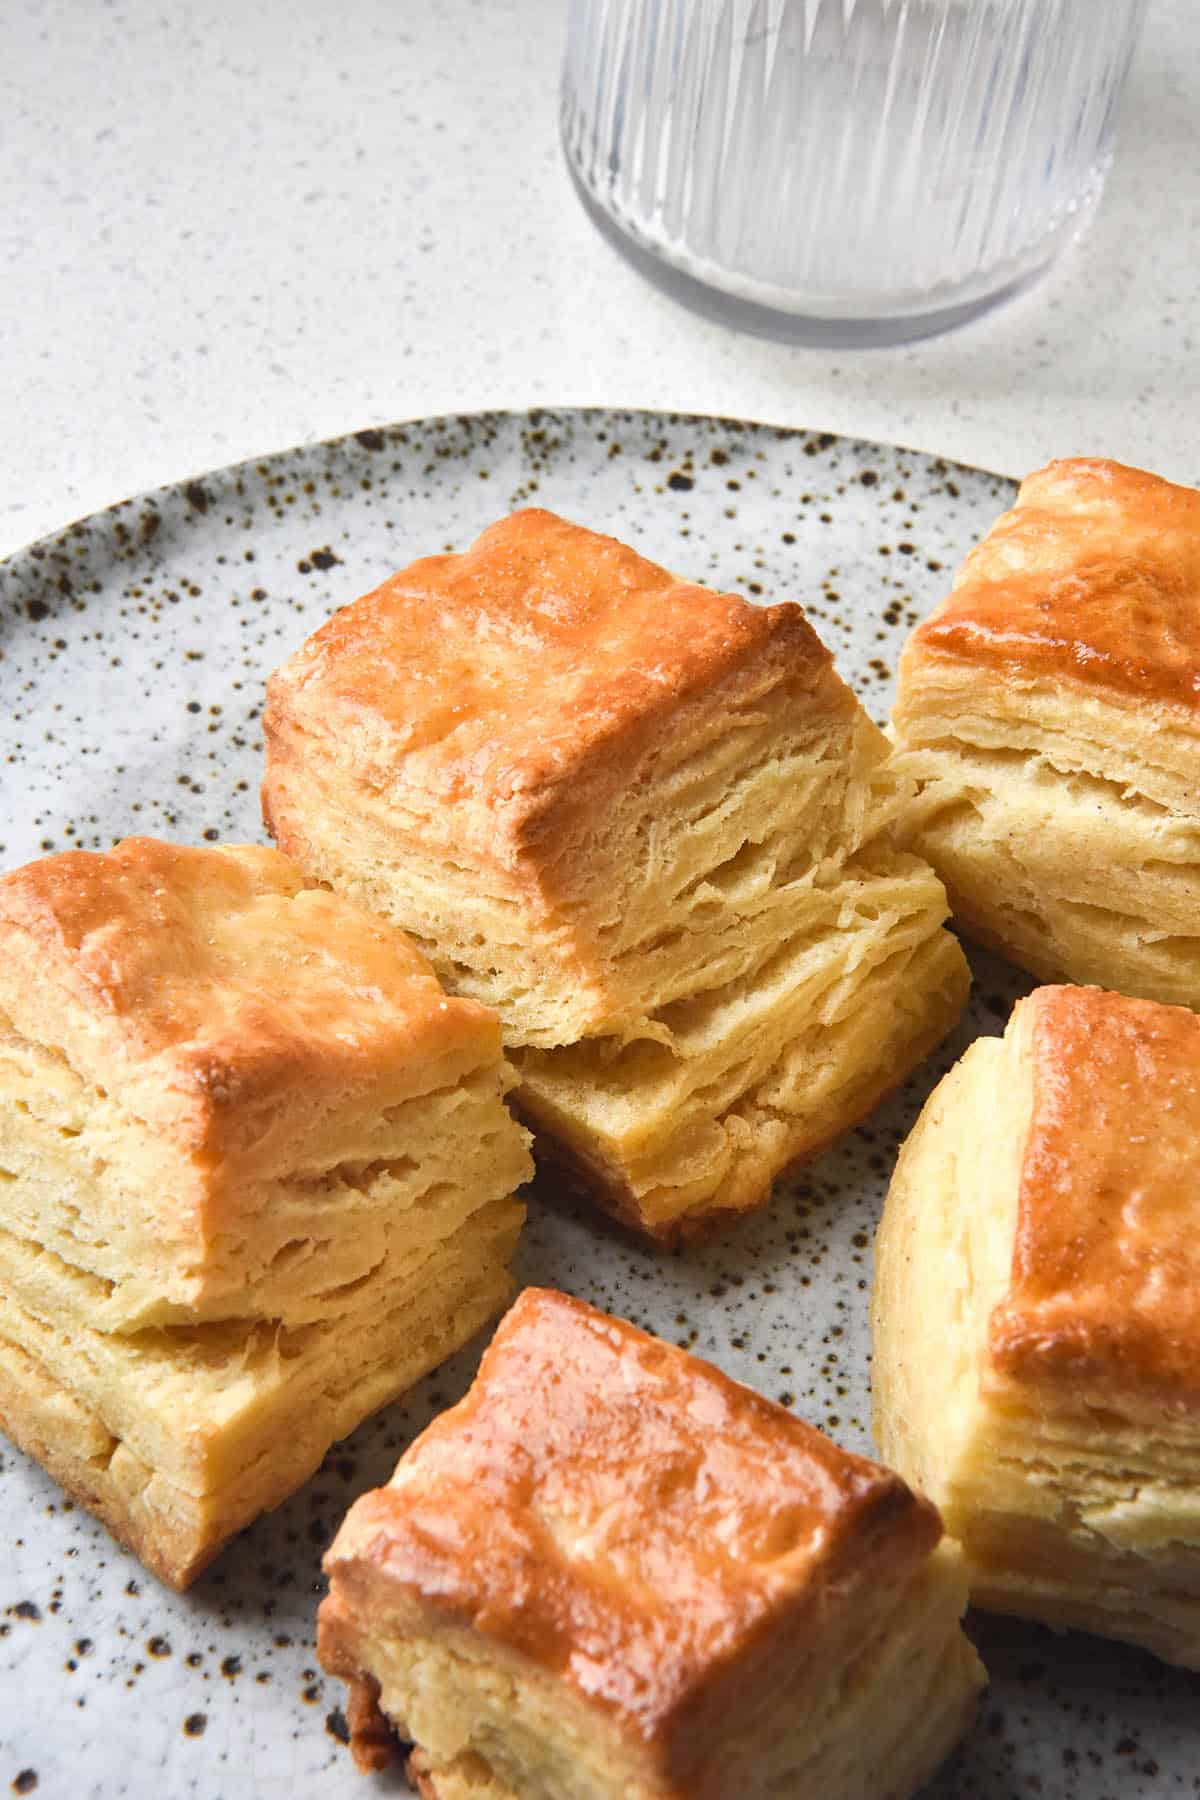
612,1571
258,1179
606,800
1037,1350
573,765
1049,711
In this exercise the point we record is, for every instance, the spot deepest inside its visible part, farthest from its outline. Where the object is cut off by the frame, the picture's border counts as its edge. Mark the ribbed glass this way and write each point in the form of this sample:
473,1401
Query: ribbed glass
844,161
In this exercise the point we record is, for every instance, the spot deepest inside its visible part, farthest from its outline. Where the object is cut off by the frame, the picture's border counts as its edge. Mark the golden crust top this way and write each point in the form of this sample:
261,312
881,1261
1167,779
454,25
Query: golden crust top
1092,577
1106,1260
624,1515
212,990
498,677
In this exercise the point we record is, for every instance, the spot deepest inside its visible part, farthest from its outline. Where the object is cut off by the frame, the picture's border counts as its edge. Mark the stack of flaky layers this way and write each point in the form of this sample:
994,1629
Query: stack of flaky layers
257,1179
649,824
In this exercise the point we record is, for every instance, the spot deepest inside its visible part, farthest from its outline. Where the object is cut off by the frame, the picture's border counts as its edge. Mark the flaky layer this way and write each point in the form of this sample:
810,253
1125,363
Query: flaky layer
93,1184
1065,825
177,1439
1094,1529
738,1082
202,1403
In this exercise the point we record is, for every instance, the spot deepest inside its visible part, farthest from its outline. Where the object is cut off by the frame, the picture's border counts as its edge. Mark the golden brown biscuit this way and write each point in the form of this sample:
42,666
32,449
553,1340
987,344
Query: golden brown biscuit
1037,1345
258,1177
650,825
1049,710
612,1571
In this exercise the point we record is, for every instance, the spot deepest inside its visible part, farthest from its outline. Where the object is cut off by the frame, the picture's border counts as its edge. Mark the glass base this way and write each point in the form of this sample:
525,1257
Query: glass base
816,330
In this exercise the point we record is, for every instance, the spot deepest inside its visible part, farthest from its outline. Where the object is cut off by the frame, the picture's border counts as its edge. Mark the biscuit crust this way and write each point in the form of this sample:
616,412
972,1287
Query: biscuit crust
602,1495
585,786
1092,578
525,677
1106,1266
610,1567
220,996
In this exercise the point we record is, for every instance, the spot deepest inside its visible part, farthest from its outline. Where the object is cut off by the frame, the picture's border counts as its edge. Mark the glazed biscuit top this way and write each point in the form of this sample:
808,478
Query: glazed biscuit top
1093,577
493,676
627,1517
1106,1261
208,988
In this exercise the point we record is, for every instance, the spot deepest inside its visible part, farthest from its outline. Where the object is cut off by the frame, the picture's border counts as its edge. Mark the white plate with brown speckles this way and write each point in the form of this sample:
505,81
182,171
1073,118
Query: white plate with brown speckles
134,650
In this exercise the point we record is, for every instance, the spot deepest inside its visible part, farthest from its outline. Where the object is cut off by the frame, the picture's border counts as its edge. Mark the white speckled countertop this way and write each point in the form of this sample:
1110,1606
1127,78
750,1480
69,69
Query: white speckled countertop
228,229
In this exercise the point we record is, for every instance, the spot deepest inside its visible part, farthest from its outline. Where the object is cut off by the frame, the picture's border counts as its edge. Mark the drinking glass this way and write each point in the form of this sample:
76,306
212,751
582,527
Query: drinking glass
843,171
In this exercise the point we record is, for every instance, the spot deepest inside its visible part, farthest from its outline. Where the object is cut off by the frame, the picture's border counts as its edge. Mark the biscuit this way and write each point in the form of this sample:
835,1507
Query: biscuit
1037,1353
612,1571
1049,711
257,1180
651,826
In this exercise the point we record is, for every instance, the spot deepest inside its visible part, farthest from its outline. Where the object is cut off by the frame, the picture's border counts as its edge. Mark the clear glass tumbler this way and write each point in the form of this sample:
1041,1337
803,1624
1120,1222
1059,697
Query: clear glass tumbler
843,171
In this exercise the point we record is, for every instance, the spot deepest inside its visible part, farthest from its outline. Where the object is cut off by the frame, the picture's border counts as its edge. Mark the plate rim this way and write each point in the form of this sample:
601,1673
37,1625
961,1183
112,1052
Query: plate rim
53,540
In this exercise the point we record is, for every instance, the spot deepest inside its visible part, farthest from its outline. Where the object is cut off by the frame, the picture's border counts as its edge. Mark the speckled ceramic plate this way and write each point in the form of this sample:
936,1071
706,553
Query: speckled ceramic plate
135,646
